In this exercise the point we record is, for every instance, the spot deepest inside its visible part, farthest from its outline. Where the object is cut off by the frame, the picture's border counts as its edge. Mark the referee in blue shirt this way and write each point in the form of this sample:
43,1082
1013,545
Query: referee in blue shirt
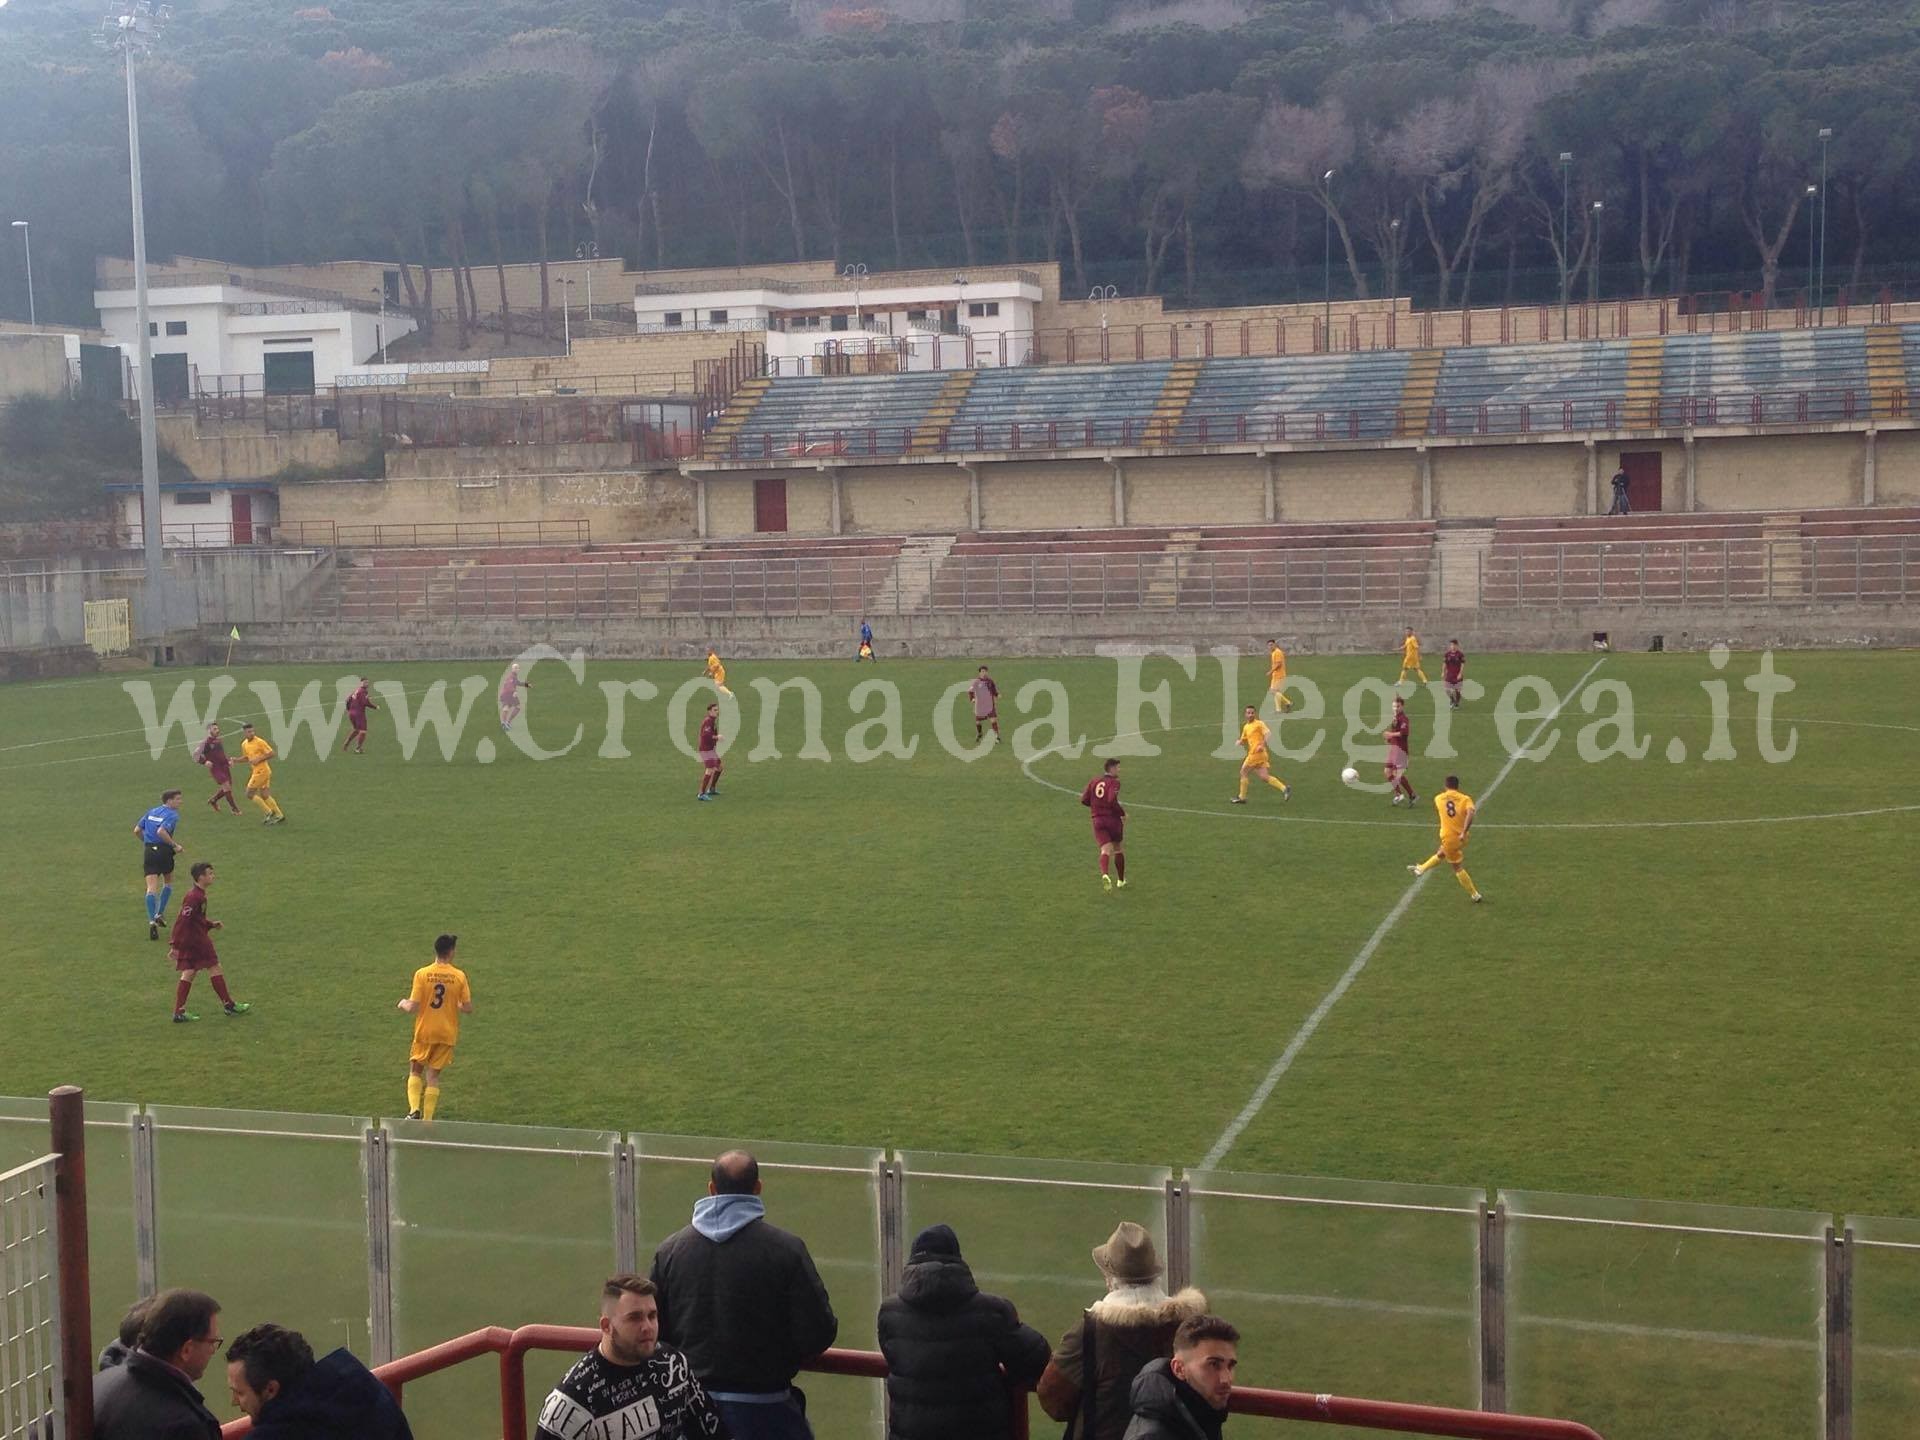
158,847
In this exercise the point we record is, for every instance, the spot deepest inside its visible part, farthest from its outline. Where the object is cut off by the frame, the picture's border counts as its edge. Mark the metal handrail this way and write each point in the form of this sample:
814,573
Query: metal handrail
512,1347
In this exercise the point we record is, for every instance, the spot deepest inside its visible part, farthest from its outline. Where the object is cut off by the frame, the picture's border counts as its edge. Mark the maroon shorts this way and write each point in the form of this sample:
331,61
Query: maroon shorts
222,777
1396,762
710,759
186,964
358,722
1108,832
993,714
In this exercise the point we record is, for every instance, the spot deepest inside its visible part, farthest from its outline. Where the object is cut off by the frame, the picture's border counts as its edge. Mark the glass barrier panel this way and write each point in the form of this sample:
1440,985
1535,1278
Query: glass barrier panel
828,1195
1646,1319
268,1214
1027,1228
112,1264
1344,1287
493,1225
1886,1327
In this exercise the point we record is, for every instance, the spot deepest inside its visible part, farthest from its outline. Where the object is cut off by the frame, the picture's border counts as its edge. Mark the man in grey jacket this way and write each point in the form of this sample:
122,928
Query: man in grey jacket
151,1396
1185,1398
743,1300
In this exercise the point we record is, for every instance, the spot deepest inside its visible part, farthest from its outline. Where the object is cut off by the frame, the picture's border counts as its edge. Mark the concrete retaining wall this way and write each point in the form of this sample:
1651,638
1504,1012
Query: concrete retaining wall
1312,633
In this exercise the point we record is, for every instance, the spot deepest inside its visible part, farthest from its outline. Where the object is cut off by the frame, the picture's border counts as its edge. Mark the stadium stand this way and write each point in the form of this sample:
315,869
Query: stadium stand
1746,378
1281,399
1766,378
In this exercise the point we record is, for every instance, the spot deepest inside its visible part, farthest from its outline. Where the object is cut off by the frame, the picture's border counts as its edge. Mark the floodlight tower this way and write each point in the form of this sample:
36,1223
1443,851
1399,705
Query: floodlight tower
133,28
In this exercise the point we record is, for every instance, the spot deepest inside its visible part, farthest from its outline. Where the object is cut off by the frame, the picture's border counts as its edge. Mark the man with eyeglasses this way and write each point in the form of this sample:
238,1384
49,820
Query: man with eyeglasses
152,1396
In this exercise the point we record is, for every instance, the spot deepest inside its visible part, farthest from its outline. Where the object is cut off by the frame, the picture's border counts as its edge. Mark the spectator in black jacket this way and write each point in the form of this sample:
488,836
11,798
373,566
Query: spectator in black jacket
151,1396
743,1300
276,1382
121,1346
946,1344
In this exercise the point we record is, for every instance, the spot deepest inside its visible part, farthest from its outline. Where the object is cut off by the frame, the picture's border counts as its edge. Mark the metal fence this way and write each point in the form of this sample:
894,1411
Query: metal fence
1644,1319
1872,569
32,1405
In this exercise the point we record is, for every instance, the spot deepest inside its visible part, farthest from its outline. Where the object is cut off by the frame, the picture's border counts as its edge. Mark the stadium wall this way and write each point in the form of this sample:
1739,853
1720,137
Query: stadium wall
33,364
1015,633
238,455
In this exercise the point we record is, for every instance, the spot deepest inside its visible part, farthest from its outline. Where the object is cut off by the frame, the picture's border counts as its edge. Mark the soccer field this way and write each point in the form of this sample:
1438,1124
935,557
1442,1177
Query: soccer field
1687,982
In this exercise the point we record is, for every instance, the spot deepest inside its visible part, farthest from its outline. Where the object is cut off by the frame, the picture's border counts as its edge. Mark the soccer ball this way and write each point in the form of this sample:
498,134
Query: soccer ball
1350,776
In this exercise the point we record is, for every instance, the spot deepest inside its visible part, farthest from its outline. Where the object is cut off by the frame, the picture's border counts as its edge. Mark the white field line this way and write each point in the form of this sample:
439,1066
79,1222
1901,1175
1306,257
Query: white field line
1265,1089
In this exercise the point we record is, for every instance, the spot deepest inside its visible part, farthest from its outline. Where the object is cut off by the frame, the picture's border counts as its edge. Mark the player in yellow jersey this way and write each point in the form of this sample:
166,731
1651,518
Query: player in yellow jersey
440,996
258,753
1253,735
1455,809
717,672
1277,675
1410,658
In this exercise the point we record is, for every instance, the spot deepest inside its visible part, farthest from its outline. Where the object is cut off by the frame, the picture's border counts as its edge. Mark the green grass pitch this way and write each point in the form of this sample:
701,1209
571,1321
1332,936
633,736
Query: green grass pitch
1685,984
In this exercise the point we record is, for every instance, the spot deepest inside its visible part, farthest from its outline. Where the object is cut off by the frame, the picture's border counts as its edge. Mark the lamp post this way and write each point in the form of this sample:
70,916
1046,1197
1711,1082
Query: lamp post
566,316
1812,190
379,334
133,32
1820,292
1393,264
1593,270
26,237
1103,293
1326,258
856,273
1566,242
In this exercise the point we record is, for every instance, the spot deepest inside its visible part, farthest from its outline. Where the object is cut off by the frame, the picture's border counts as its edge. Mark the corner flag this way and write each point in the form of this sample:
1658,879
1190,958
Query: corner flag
234,633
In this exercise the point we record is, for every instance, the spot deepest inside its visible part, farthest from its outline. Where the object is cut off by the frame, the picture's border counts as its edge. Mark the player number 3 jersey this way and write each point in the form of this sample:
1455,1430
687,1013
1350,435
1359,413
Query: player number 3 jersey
439,991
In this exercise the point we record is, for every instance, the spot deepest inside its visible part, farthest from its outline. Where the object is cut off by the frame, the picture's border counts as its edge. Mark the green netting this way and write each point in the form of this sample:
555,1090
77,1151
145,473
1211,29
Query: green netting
267,1213
1647,1320
1344,1287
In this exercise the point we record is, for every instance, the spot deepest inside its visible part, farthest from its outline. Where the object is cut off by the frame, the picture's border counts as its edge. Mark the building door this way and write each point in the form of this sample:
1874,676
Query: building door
1643,479
100,371
770,504
171,380
289,372
242,518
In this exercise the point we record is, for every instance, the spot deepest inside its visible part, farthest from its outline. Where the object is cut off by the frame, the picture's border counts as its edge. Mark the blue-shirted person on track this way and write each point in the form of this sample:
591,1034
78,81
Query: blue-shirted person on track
156,829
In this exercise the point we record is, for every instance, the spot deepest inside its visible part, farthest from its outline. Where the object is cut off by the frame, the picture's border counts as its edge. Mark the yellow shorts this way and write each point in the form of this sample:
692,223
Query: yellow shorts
261,779
1256,761
431,1054
1453,851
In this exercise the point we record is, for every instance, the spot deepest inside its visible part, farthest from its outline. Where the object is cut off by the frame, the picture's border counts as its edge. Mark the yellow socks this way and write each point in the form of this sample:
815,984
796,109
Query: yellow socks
414,1083
1426,864
429,1102
278,813
1466,883
1243,784
265,808
1276,782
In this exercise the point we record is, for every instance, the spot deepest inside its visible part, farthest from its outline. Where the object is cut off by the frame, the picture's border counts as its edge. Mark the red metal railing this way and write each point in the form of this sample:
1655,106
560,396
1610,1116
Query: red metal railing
512,1347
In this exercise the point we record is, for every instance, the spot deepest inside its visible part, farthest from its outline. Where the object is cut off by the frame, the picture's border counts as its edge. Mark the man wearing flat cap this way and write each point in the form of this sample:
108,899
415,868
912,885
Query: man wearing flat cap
1087,1382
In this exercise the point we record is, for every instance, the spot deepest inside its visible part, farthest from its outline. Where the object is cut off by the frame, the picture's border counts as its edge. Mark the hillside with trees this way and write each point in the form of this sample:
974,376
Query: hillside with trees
1165,146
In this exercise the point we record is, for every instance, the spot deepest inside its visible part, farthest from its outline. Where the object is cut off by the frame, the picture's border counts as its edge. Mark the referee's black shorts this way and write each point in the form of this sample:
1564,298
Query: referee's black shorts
157,860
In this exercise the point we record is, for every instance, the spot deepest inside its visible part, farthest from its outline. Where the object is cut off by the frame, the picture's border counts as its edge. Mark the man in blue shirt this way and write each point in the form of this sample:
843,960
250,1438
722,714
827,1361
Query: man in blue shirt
866,643
158,847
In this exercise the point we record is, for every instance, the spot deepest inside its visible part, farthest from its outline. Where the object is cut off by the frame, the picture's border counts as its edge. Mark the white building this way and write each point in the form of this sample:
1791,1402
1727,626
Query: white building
211,333
203,513
925,318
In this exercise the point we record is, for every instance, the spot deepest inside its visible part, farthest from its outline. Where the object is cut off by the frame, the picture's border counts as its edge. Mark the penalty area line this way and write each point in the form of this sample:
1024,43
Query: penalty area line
1264,1091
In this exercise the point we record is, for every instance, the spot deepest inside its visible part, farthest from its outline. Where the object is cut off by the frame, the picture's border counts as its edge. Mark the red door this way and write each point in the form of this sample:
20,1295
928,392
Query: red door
1643,480
770,504
242,518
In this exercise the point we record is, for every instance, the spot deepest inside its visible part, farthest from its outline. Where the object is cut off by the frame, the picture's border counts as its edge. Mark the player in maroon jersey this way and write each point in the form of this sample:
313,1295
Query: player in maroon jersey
1102,796
212,754
191,949
1399,735
710,754
986,704
1453,664
358,703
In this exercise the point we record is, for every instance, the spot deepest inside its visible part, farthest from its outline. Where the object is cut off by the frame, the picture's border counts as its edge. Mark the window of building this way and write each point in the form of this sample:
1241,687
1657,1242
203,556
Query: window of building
153,327
917,317
976,308
671,318
194,497
717,317
840,322
176,327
